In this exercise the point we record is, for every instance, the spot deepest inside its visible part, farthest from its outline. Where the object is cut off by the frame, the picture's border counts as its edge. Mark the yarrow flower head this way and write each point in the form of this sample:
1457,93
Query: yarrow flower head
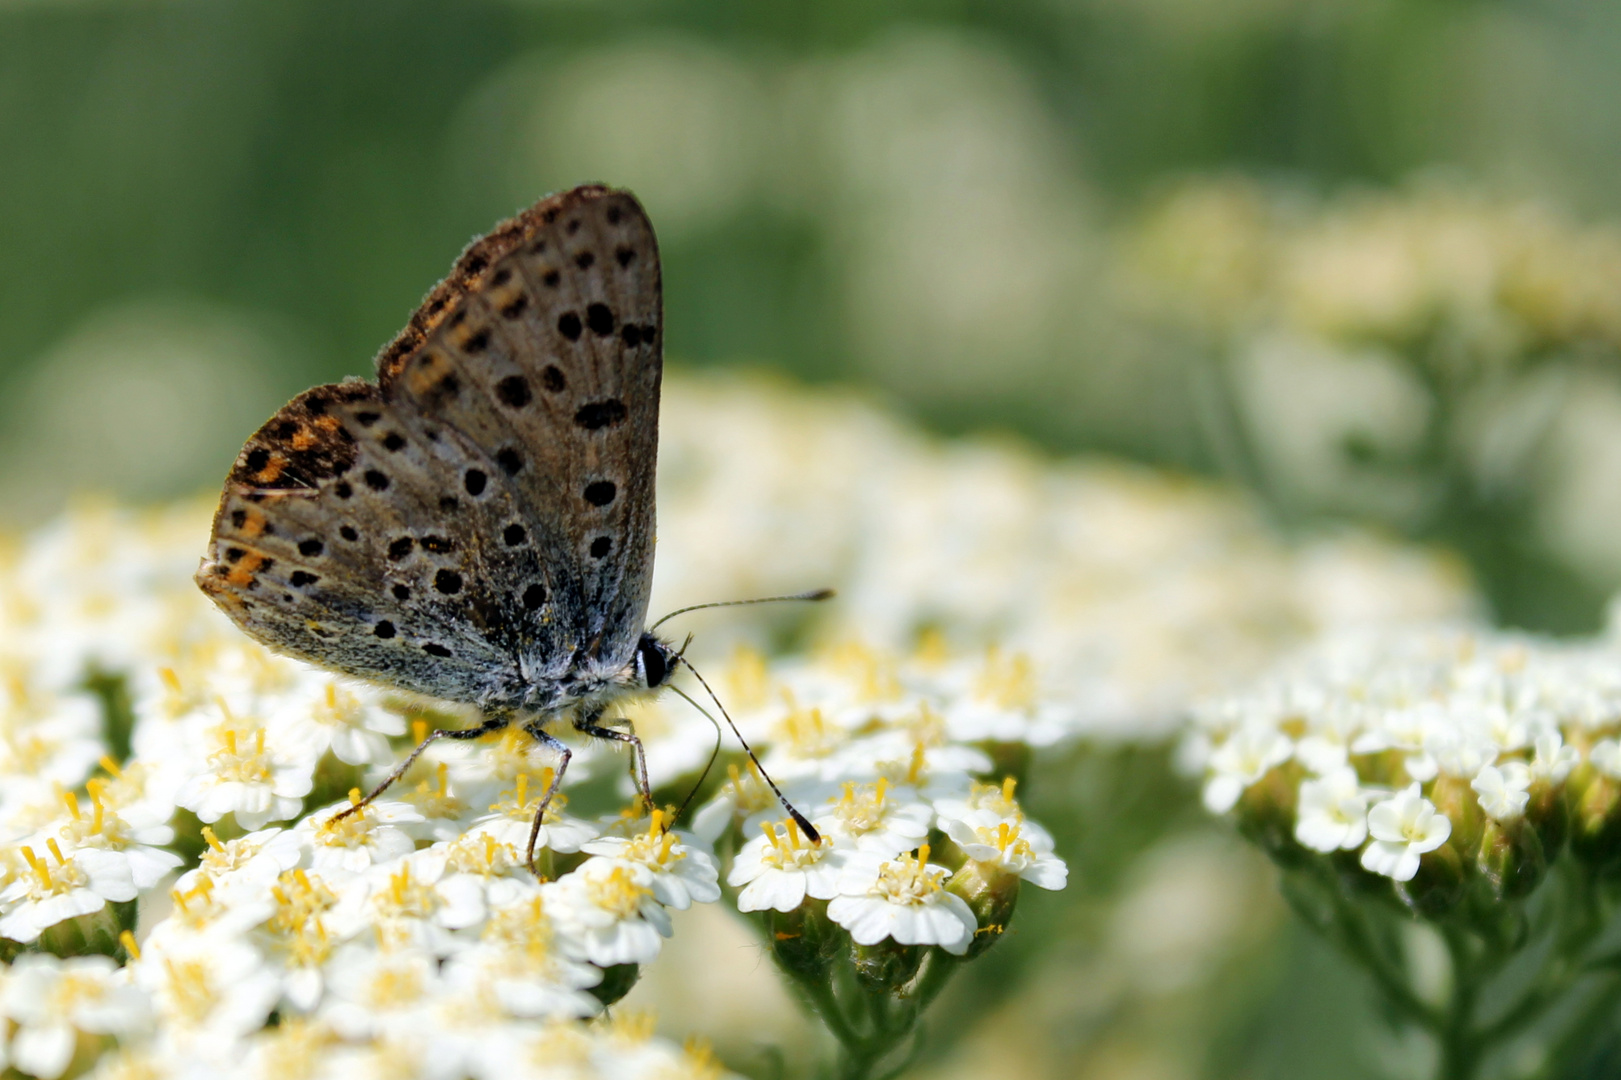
1443,732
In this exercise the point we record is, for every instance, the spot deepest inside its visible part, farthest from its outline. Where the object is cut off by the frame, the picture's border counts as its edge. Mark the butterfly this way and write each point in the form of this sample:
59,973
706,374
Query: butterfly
477,524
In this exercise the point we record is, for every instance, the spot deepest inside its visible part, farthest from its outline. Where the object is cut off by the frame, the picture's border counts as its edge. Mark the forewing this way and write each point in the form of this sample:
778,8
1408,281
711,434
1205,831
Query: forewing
480,523
544,349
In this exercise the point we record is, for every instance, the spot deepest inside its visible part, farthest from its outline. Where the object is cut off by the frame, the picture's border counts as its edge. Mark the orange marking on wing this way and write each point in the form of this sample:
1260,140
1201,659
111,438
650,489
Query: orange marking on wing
303,439
242,573
267,475
424,374
253,526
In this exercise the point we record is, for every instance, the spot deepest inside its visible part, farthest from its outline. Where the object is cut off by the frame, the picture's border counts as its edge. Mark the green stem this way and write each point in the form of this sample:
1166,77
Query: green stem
1461,1047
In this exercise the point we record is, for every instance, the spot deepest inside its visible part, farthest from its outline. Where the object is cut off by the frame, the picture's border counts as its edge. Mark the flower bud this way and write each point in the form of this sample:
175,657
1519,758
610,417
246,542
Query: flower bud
616,983
1454,797
1549,816
1511,857
1595,826
886,966
805,940
1438,885
1266,812
991,893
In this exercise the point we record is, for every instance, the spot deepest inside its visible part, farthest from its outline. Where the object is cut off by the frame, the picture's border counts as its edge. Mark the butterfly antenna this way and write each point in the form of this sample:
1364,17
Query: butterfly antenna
814,596
799,819
713,754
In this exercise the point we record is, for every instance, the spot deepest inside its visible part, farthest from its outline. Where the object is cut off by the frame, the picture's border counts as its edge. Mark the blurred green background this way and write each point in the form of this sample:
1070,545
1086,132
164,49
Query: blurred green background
1090,222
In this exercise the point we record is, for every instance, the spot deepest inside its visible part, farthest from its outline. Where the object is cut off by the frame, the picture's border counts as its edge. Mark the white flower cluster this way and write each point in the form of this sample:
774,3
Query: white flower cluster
1393,745
878,751
1133,591
158,770
410,930
1504,279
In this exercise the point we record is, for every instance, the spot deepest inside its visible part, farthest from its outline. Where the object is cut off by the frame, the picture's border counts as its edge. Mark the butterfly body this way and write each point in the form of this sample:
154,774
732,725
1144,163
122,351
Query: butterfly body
477,524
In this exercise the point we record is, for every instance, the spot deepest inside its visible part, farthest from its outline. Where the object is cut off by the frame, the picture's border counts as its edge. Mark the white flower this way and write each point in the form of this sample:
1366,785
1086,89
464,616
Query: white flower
343,717
52,1000
135,833
680,872
1502,791
1553,760
1404,827
58,887
411,900
207,990
373,992
1606,757
351,844
904,899
518,960
606,912
868,818
1016,846
1333,812
1247,755
245,777
256,859
512,816
778,870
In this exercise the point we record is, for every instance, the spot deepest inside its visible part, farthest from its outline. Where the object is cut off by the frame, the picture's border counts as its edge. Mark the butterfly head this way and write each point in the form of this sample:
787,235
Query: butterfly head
655,661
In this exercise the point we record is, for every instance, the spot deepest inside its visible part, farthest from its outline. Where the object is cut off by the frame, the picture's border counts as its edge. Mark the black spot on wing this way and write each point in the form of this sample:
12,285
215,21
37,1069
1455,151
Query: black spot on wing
513,391
595,415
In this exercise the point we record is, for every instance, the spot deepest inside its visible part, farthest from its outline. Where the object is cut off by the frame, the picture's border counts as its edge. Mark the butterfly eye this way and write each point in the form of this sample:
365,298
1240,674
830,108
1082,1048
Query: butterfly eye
650,657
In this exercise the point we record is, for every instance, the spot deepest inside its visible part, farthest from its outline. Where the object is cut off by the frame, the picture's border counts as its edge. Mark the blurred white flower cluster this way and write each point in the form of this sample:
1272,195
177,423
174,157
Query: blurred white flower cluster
1130,590
1441,759
1506,279
1425,356
167,787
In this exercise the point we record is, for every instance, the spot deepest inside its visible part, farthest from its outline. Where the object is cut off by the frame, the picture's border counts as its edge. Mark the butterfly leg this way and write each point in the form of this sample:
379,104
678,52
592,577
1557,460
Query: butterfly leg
536,728
587,723
493,722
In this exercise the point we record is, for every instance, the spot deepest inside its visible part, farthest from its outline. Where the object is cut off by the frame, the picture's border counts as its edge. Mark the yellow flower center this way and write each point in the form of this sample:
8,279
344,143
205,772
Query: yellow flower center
405,898
655,847
520,802
48,880
523,928
863,806
1005,839
908,880
299,898
806,732
997,799
617,893
747,679
191,992
482,854
241,760
337,708
1006,681
872,673
394,987
435,800
789,850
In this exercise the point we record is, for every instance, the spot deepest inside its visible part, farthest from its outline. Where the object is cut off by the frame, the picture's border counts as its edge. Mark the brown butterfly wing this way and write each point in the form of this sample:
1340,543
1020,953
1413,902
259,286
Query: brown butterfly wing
498,480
